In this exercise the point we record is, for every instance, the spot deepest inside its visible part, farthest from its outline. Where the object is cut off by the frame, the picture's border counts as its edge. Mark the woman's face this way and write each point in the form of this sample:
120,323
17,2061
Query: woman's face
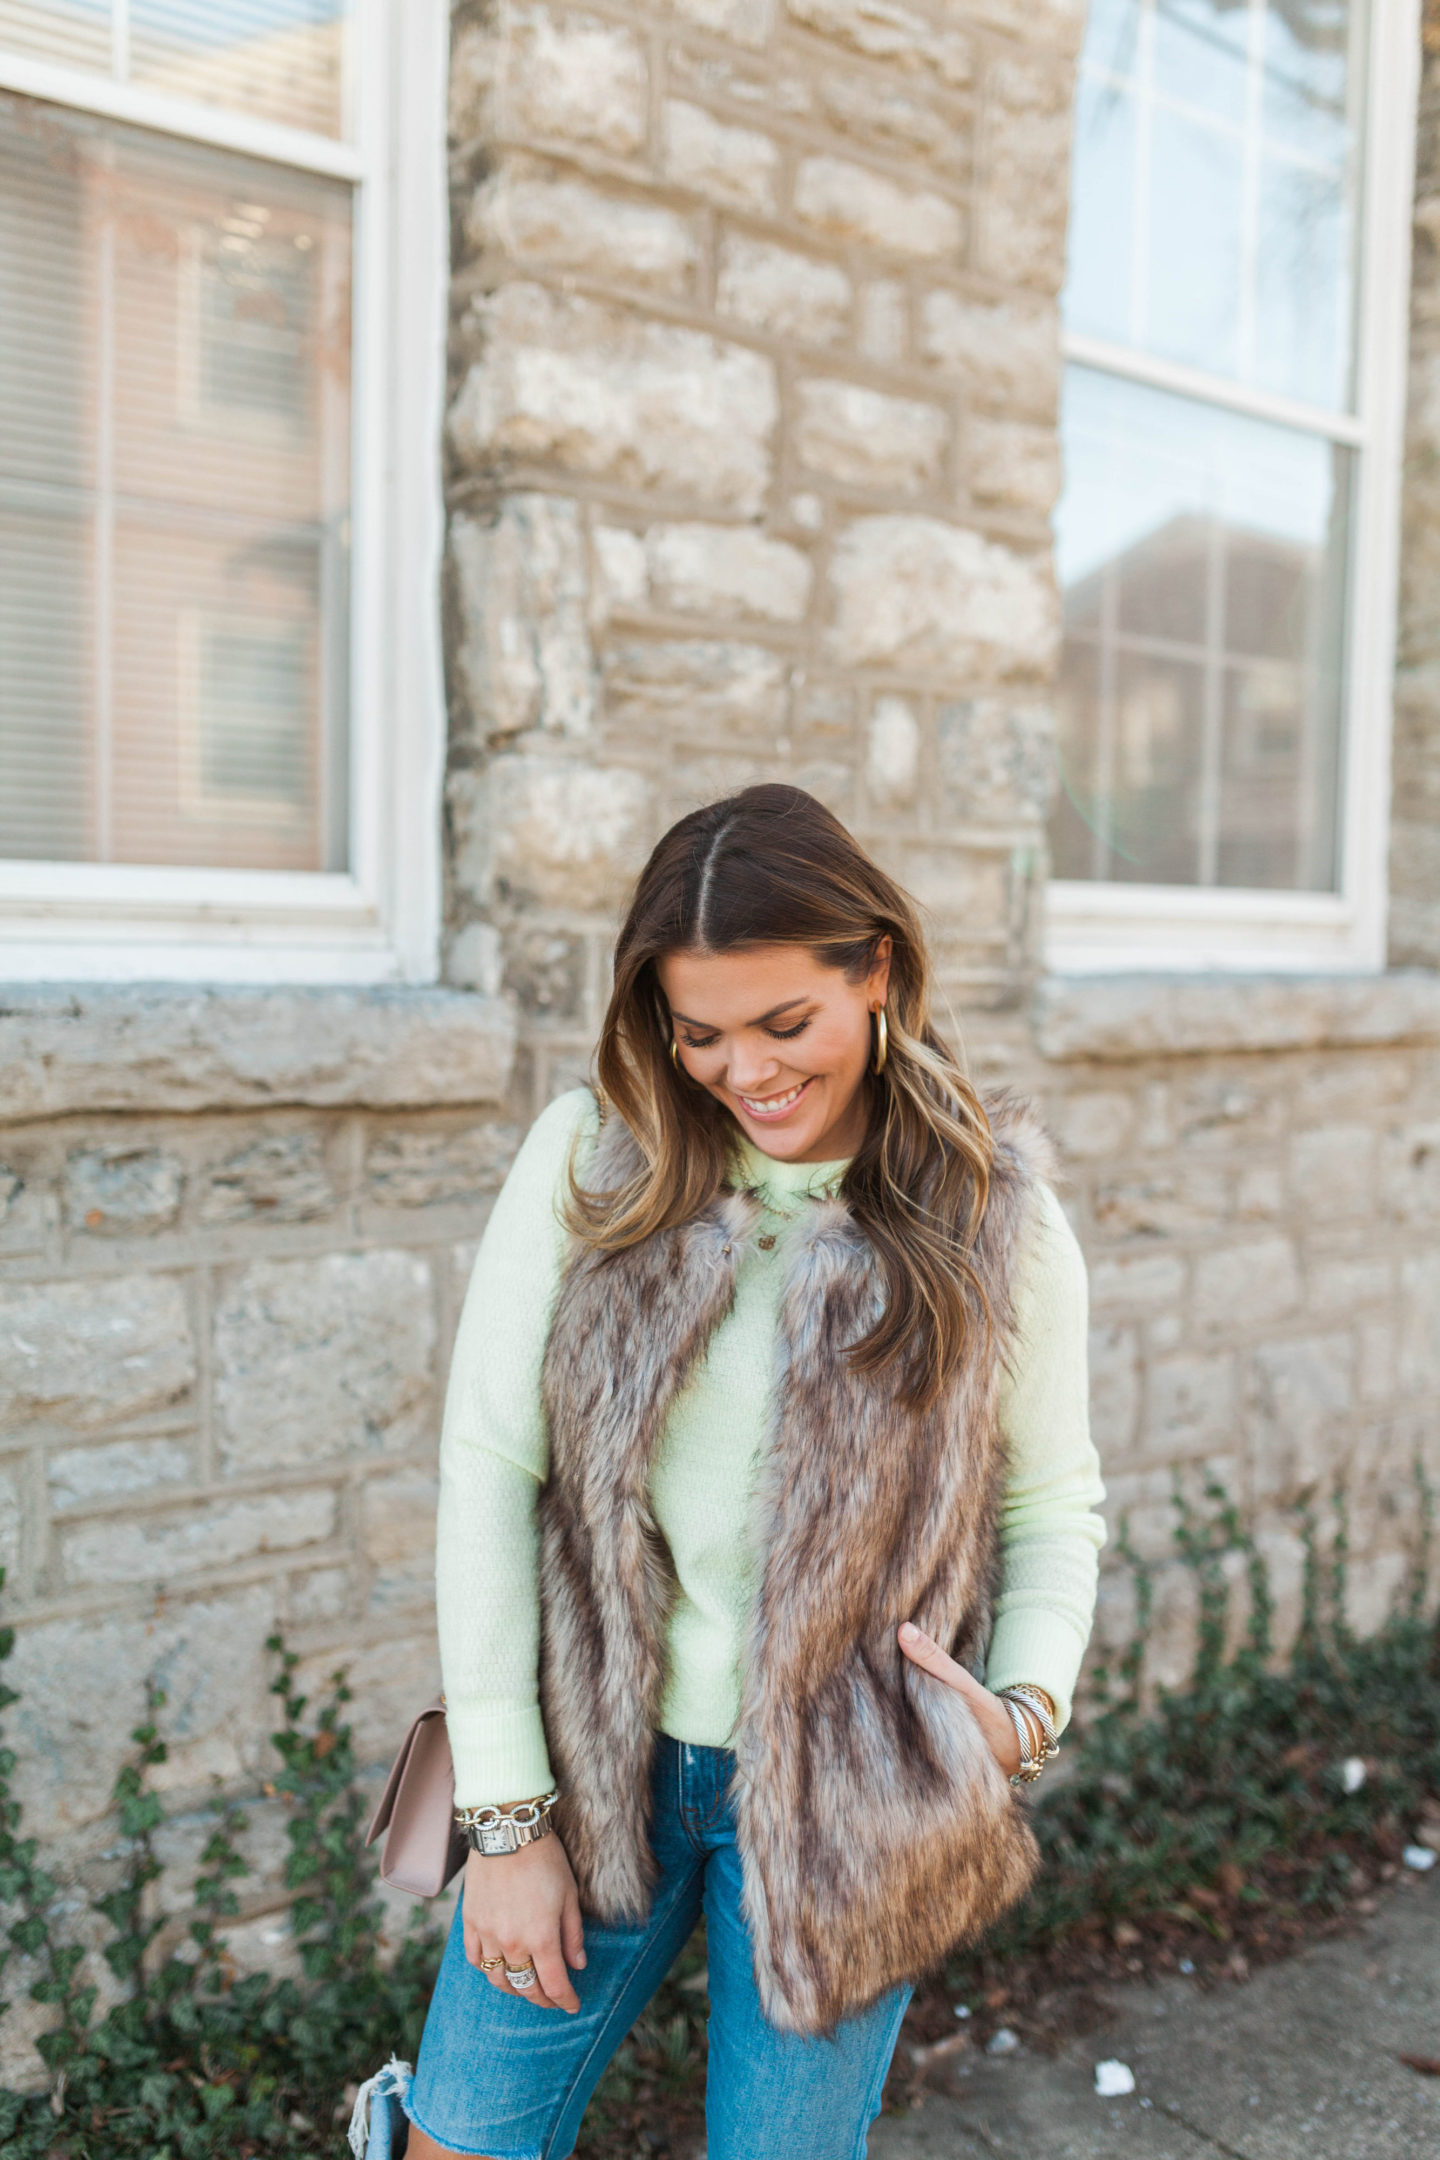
782,1040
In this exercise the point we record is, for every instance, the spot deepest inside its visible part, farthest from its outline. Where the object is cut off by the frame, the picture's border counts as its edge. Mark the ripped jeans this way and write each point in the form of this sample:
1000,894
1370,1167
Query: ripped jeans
500,2076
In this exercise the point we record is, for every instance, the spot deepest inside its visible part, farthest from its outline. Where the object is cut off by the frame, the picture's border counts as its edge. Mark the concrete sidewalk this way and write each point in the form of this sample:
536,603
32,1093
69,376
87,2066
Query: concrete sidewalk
1299,2063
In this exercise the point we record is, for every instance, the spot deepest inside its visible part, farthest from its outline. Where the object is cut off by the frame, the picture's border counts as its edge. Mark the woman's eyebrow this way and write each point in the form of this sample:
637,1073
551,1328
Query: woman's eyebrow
773,1014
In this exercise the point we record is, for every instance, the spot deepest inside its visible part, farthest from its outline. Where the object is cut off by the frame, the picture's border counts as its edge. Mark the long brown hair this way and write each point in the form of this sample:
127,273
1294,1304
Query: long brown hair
772,866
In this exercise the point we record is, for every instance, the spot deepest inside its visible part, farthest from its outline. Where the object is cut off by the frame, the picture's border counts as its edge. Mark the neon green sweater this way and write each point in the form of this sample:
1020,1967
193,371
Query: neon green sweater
493,1460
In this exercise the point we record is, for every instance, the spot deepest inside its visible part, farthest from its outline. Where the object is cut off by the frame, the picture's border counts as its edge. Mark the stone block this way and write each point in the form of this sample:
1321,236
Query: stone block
1013,464
672,686
1378,1360
740,80
727,571
574,78
1024,184
886,30
851,202
1247,1286
1294,1392
732,165
29,1208
598,391
1114,1389
323,1357
1121,1017
67,1049
85,1354
1259,1192
743,22
1136,1282
521,585
892,754
545,972
997,760
884,322
121,1470
1410,1173
121,1188
878,111
1006,352
317,1594
1332,1171
438,1169
1420,1324
534,214
1092,1123
397,1521
777,289
913,593
282,1177
82,1687
549,832
963,888
864,438
475,63
157,1548
1171,1204
1190,1406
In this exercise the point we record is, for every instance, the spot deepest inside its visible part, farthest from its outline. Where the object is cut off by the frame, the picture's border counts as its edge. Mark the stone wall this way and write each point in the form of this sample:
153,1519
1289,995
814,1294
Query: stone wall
235,1229
751,451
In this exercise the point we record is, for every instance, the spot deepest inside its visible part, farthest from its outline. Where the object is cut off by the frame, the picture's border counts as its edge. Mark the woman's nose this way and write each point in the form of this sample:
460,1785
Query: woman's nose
750,1071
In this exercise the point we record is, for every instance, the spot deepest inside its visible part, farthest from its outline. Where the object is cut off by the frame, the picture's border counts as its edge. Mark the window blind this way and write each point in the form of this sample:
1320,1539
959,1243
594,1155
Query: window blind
174,498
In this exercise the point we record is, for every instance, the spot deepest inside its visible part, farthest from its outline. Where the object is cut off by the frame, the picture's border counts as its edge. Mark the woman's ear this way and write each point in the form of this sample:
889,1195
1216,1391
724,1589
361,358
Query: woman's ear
877,982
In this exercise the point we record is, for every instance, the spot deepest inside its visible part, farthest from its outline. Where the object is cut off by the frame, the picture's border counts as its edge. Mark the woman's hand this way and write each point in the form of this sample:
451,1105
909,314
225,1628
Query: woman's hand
991,1715
524,1905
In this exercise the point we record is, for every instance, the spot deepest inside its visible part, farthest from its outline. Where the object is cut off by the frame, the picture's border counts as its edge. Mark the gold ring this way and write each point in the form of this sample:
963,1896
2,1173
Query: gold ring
492,1964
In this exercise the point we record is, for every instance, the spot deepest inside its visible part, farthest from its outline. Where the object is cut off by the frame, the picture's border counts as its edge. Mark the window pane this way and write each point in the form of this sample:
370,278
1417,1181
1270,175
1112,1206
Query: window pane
1215,188
281,60
278,59
1202,559
174,501
75,32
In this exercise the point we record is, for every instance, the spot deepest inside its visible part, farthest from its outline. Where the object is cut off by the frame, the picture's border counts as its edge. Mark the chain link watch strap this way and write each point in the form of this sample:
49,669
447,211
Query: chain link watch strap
495,1831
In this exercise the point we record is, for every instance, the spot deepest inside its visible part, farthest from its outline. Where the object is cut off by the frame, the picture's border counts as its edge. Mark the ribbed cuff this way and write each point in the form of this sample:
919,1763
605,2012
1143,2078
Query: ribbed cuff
499,1752
1038,1647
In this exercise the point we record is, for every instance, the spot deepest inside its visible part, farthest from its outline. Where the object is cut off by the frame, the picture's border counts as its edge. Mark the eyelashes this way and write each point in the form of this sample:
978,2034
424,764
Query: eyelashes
707,1042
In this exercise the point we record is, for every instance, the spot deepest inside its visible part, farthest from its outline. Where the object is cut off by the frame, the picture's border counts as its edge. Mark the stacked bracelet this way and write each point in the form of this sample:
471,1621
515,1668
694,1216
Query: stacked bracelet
1025,1703
494,1831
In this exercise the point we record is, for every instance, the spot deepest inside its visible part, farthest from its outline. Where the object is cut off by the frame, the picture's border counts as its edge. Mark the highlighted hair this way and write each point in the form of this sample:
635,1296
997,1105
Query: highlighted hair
772,866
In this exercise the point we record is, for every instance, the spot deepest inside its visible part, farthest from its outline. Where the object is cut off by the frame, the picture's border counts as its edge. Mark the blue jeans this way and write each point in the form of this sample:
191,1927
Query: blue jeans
501,2076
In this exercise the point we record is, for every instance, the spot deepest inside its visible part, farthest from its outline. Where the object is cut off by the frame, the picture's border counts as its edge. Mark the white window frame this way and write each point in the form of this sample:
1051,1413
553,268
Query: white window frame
380,920
1100,927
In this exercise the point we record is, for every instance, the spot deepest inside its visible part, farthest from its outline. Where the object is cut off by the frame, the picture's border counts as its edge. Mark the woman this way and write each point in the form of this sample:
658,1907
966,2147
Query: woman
766,1427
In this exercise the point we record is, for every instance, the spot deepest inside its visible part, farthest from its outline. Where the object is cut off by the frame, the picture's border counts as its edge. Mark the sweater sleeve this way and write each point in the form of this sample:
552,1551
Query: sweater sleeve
1051,1529
493,1458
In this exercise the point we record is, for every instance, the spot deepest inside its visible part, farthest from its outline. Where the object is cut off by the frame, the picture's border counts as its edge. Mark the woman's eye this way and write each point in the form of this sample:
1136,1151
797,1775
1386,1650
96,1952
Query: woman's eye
788,1034
705,1042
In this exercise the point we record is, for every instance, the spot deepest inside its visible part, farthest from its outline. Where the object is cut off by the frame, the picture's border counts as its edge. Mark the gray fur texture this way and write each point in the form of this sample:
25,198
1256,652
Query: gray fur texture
876,1830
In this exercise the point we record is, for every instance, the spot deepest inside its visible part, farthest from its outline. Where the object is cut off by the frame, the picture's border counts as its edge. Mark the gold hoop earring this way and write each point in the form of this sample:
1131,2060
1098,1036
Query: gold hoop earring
674,1053
882,1040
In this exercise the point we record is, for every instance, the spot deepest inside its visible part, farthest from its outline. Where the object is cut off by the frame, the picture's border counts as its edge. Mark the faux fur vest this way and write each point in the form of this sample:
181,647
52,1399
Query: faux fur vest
875,1828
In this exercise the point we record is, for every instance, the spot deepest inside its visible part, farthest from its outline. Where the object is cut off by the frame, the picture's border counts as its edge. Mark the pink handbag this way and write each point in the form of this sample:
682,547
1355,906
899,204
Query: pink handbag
424,1848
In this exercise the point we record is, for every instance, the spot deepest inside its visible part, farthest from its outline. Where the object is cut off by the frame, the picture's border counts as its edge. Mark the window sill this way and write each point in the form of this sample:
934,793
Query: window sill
1118,1018
66,1050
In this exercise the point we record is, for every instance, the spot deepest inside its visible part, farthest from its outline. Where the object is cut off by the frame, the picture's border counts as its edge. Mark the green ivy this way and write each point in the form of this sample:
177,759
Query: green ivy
192,2063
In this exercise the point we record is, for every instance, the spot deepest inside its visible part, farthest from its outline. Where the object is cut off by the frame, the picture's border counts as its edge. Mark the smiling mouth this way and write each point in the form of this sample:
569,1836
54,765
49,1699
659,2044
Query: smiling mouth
774,1106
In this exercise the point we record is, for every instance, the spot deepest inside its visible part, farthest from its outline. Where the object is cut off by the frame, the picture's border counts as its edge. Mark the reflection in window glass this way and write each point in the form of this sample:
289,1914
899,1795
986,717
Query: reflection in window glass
1216,168
280,60
1202,559
174,500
